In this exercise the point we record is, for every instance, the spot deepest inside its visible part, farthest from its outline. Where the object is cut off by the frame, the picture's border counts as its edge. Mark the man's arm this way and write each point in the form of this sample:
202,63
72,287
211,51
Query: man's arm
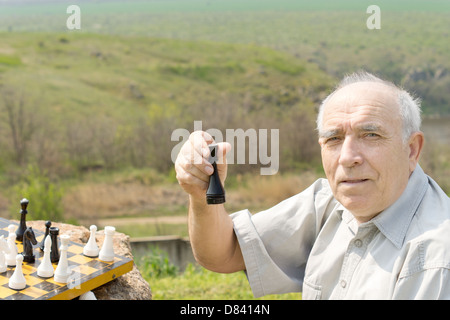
212,237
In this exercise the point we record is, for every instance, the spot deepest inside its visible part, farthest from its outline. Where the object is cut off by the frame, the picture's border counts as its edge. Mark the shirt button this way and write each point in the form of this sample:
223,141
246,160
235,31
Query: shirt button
343,283
358,243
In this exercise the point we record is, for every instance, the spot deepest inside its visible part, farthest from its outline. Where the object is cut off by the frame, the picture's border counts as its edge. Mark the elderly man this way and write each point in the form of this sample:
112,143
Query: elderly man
377,228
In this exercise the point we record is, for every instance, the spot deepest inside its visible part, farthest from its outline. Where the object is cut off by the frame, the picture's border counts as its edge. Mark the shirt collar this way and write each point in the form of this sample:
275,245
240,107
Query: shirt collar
394,221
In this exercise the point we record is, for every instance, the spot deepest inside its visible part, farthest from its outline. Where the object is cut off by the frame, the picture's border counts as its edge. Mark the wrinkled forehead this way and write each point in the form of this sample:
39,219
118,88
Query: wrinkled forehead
363,99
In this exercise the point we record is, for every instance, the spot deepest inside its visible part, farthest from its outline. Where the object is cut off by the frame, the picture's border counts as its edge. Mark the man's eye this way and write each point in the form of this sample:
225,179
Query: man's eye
332,139
372,135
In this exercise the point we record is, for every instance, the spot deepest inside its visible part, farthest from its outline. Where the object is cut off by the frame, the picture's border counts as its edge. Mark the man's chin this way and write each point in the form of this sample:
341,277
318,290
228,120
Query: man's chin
360,207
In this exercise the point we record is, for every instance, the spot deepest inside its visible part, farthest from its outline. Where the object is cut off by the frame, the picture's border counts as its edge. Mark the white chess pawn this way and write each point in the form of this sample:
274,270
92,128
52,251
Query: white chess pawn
4,249
91,248
11,256
17,280
87,296
62,272
45,269
107,250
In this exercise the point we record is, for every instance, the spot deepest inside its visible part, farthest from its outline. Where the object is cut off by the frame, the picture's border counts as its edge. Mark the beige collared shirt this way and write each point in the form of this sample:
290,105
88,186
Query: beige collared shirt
310,243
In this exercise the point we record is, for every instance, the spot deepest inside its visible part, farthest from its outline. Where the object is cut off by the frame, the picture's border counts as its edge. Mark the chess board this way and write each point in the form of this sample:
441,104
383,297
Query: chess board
87,273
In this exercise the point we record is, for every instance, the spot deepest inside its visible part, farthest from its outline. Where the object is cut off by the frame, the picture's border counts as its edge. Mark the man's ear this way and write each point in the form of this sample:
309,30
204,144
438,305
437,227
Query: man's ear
415,144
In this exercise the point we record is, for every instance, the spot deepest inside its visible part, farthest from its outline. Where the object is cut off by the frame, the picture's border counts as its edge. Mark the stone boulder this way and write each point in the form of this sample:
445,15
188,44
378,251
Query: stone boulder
130,286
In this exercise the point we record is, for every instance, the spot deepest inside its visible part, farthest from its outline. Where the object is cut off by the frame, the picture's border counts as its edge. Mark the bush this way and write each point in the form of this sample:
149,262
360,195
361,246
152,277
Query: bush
44,196
157,265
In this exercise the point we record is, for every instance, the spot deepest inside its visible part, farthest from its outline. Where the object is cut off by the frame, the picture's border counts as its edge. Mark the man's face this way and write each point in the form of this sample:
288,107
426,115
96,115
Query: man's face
363,155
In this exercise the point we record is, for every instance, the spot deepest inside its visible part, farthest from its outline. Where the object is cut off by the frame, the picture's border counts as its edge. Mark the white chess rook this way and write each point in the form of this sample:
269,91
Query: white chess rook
62,270
91,248
45,269
17,280
107,251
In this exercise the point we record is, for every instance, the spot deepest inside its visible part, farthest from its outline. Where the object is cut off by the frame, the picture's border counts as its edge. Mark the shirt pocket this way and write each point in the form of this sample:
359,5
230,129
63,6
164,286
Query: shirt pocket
311,291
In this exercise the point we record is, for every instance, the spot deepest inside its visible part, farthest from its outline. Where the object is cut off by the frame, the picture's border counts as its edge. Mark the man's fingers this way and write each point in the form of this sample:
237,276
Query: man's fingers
200,140
199,170
196,150
223,149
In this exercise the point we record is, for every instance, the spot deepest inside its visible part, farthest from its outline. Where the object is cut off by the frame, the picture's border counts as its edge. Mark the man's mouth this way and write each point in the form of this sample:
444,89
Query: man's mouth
353,181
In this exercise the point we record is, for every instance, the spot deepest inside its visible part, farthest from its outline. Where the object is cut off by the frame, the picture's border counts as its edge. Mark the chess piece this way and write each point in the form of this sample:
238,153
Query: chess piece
107,250
11,256
23,217
48,224
17,280
62,272
29,239
45,269
54,255
87,296
215,193
91,248
4,249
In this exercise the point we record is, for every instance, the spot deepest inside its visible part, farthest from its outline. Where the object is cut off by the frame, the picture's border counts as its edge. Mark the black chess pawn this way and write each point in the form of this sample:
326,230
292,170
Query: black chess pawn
215,193
48,224
23,217
54,254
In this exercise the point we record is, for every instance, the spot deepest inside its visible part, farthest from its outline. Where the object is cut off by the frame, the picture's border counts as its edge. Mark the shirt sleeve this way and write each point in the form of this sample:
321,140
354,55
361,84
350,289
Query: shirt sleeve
276,243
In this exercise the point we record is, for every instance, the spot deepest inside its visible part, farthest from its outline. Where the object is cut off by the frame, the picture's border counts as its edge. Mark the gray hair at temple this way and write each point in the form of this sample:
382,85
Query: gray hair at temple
410,109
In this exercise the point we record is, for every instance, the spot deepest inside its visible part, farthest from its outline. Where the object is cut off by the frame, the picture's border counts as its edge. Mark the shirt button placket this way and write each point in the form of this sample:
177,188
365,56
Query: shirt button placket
353,256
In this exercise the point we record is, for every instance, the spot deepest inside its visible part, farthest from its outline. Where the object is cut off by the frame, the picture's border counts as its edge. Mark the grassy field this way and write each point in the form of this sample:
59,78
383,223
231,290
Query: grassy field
196,283
202,284
410,48
100,103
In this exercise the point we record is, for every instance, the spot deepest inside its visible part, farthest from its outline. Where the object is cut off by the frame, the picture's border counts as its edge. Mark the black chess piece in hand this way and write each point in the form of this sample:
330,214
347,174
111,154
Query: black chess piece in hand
215,193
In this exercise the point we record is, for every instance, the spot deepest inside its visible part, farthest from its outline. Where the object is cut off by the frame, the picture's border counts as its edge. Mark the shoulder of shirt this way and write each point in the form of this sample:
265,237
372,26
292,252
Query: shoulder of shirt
322,185
428,245
430,250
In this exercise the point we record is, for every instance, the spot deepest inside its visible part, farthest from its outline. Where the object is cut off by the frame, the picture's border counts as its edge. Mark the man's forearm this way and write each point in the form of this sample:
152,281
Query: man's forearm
212,237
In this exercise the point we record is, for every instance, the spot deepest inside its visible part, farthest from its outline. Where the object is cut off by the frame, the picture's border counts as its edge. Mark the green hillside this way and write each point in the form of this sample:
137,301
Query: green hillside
107,101
411,48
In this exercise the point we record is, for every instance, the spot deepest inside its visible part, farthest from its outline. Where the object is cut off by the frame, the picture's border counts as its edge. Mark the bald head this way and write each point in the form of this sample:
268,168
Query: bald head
401,102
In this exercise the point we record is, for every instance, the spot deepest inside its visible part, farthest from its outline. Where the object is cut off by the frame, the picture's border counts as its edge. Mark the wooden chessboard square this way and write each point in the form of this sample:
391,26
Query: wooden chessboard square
6,291
28,269
49,285
33,292
3,279
33,279
75,249
85,269
53,282
79,259
18,295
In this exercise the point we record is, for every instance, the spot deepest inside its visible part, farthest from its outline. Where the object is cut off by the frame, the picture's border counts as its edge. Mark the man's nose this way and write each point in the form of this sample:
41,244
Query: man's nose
350,153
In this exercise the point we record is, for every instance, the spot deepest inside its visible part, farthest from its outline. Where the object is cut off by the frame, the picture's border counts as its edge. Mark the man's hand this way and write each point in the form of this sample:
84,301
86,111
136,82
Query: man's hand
213,241
193,168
